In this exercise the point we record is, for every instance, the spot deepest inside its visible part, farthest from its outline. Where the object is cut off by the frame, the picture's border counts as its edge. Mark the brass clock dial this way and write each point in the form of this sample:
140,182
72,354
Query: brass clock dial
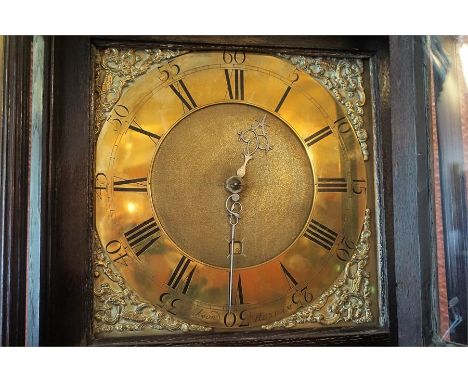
242,256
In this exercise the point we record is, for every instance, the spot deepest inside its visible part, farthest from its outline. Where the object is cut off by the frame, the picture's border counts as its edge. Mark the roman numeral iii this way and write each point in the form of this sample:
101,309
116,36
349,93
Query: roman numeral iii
320,234
332,185
141,237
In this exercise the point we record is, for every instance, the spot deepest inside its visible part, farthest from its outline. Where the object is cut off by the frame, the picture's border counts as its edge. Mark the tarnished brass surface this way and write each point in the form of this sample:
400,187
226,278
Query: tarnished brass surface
187,186
163,154
347,300
344,80
115,69
118,309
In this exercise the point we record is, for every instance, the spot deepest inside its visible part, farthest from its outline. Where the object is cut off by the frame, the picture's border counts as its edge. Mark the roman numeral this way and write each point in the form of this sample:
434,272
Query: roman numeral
135,127
320,234
186,98
240,294
179,273
238,92
289,277
121,259
130,185
280,103
332,185
314,138
140,237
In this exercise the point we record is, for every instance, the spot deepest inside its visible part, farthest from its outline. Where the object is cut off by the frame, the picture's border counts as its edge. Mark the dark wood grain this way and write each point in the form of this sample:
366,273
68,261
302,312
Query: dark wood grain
383,161
412,204
14,189
318,45
304,337
67,310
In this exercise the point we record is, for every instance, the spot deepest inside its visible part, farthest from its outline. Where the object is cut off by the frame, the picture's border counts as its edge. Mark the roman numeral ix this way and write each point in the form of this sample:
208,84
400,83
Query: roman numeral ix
141,237
320,234
130,185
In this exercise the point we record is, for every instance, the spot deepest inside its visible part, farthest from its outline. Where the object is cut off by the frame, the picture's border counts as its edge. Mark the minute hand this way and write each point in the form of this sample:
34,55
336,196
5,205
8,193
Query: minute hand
233,208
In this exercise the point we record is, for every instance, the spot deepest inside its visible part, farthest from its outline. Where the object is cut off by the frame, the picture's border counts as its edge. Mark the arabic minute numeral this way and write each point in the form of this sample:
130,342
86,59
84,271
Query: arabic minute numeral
114,247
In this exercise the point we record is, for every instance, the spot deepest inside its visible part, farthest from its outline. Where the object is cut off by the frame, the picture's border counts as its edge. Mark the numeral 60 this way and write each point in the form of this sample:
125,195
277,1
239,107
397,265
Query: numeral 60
238,56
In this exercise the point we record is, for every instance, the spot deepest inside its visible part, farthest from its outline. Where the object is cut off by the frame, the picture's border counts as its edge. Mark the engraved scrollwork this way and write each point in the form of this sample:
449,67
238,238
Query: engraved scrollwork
118,309
343,78
117,68
348,300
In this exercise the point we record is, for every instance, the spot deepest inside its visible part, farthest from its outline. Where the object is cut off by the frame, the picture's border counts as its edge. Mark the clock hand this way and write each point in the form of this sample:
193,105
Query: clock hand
255,139
233,208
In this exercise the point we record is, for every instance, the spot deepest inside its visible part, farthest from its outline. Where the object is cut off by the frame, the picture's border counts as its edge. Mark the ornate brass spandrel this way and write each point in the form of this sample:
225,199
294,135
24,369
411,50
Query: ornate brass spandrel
343,78
115,69
347,300
119,309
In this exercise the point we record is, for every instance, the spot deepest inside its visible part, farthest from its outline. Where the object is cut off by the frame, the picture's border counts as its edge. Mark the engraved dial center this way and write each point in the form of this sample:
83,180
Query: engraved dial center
194,166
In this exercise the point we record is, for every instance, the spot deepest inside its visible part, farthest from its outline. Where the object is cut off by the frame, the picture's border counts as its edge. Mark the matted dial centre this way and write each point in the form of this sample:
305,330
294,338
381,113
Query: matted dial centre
193,172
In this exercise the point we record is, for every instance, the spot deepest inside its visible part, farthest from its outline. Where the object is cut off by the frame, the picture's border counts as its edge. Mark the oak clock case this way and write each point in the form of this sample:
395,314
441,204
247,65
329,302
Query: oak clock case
233,192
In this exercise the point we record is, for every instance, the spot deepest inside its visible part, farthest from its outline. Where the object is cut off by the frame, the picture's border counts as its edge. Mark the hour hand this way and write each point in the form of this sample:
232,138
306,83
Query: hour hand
241,169
255,138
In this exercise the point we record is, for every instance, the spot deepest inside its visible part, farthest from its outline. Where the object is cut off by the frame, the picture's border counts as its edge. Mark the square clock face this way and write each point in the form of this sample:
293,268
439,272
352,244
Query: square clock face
233,191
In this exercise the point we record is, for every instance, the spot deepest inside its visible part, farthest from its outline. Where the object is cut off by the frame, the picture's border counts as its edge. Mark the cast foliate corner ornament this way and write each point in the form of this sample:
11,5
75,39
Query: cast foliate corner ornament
118,309
117,68
347,300
343,78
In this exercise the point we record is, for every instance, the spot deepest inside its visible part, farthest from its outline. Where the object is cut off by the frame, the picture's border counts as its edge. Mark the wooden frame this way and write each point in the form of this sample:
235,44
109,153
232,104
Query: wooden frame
413,202
66,308
14,143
